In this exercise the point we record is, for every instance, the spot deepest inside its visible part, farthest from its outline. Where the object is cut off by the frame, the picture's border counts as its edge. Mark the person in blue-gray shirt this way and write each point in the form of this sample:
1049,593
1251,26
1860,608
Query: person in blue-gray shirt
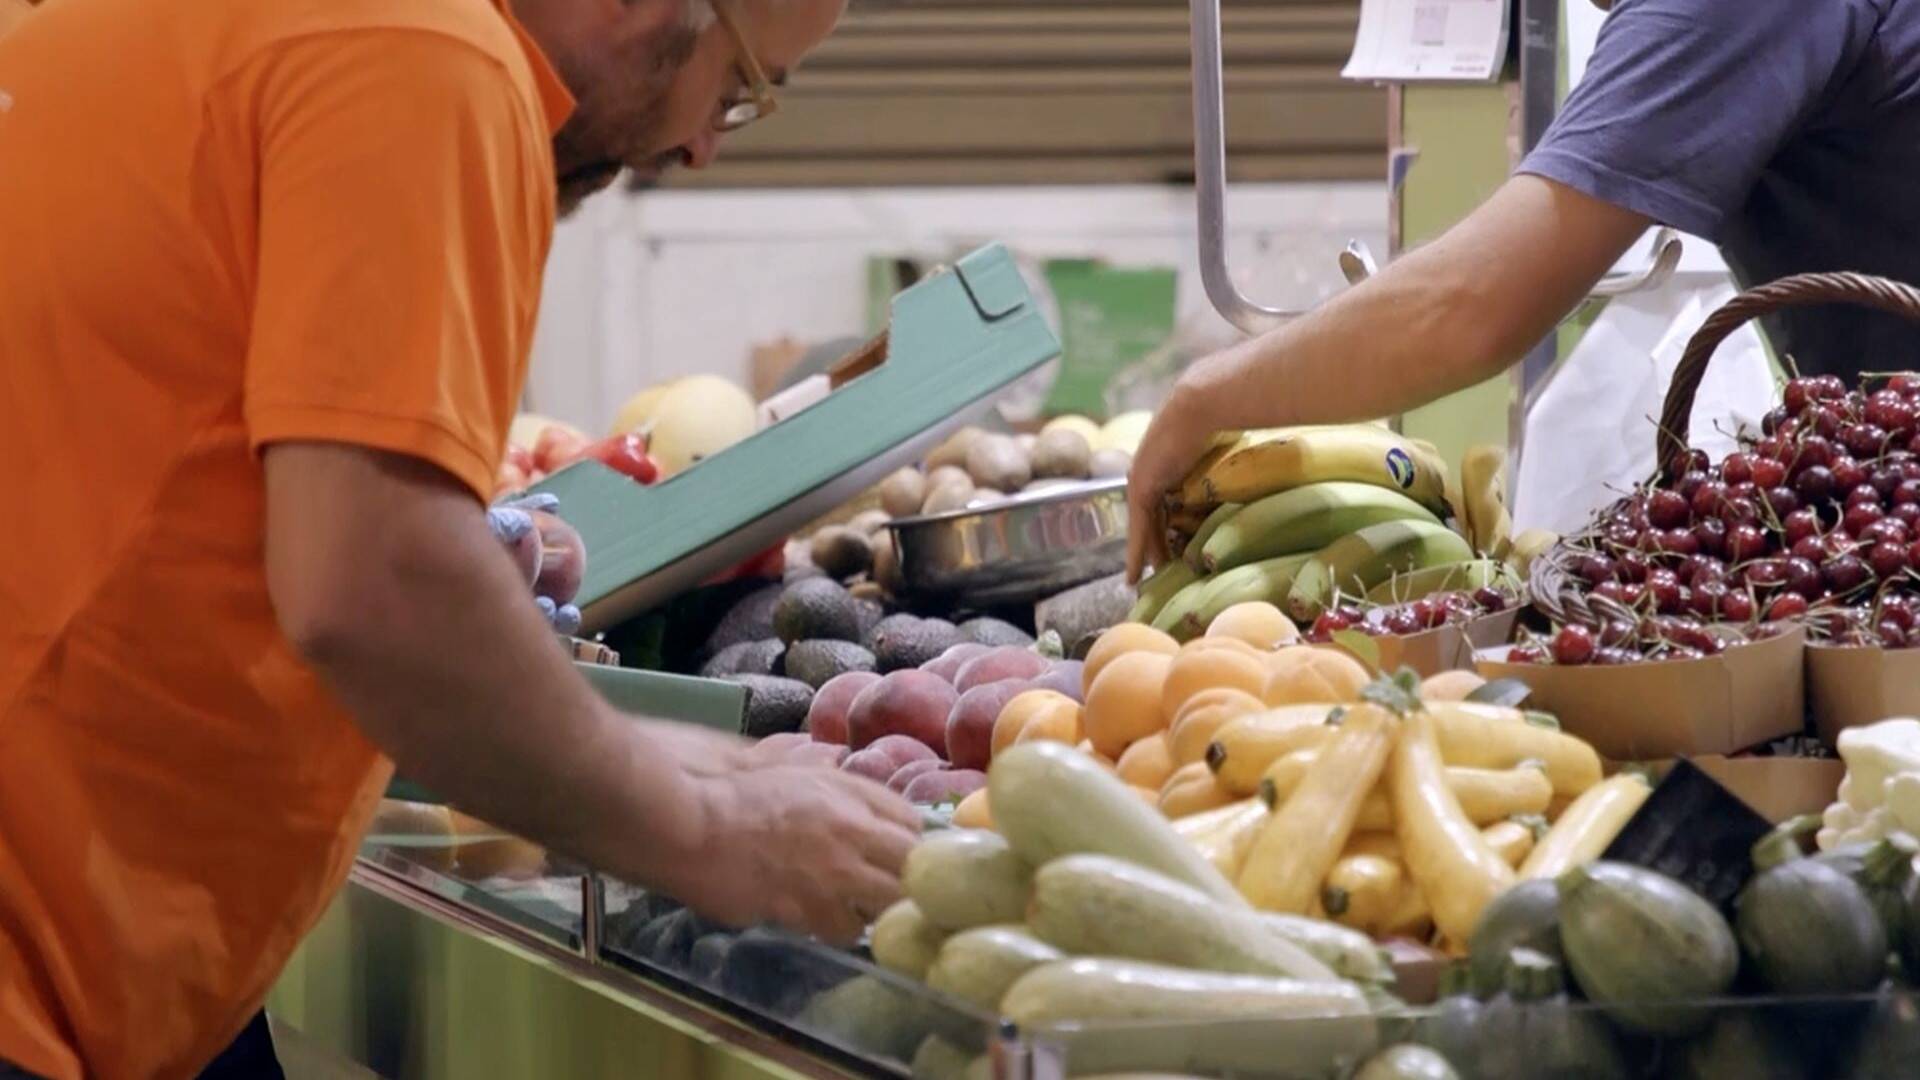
1785,131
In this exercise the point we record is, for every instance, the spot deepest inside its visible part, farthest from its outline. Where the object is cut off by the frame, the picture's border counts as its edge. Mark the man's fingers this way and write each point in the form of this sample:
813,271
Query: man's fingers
885,846
884,804
869,891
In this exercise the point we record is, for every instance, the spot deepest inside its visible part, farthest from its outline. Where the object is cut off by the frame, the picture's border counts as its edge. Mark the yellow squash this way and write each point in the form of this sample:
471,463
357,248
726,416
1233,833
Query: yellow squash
1486,795
1243,748
1495,737
1448,858
1588,826
1299,844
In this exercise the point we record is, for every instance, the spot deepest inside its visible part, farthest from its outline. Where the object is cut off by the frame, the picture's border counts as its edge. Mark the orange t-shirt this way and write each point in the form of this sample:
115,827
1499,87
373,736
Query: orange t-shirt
223,223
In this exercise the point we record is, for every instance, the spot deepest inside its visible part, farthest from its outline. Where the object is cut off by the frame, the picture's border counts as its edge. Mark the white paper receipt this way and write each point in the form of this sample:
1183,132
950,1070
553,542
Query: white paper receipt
1429,40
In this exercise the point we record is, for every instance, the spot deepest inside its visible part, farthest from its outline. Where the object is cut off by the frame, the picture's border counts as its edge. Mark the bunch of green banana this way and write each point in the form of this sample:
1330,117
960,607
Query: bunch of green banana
1194,607
1299,519
1447,577
1156,591
1361,560
1262,463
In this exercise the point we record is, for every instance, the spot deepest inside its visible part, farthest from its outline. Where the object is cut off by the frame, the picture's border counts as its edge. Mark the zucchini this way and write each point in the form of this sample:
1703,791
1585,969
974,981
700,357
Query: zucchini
1809,929
1455,869
903,940
870,1016
1407,1061
1299,844
1051,800
1885,870
1888,1044
1272,1027
1741,1043
1638,941
1366,892
1351,954
1226,846
1526,916
1495,737
1531,1029
1589,824
963,878
1093,905
979,965
938,1059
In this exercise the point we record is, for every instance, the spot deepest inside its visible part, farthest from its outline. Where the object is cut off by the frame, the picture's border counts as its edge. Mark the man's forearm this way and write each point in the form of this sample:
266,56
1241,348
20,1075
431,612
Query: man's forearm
1440,319
446,666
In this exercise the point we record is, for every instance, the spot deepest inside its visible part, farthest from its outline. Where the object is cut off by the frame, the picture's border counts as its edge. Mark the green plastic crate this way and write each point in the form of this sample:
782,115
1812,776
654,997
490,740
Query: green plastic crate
955,341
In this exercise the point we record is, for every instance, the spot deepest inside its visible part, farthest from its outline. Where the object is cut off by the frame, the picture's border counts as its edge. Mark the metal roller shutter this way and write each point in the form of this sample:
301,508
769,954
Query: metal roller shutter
1061,91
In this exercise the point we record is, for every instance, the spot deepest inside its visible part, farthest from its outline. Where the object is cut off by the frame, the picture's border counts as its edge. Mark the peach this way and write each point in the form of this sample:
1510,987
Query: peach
999,665
563,559
827,716
970,724
944,785
947,665
909,702
902,776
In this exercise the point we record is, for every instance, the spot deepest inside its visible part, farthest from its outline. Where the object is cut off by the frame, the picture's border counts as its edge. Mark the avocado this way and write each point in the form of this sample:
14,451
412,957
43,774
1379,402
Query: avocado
749,619
907,641
773,971
673,949
989,631
746,658
774,704
869,613
816,608
814,662
709,953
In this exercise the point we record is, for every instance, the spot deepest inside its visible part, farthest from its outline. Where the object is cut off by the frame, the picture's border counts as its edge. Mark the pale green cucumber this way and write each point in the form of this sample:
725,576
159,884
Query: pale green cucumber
1639,942
1127,1016
962,878
1350,953
1050,799
979,966
1096,905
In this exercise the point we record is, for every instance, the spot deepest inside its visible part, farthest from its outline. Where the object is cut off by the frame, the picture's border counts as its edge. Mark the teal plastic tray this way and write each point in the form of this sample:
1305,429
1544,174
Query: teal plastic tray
956,340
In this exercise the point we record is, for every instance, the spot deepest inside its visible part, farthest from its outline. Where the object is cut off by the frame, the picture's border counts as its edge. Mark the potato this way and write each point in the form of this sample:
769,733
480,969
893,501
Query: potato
827,716
902,492
947,496
954,450
1062,454
997,462
1109,464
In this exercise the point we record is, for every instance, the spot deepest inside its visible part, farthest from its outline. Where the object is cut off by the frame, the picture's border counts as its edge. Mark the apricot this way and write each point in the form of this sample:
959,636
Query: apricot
973,812
1123,704
1059,723
1210,669
1306,674
1257,623
1147,763
1120,640
1023,709
1203,714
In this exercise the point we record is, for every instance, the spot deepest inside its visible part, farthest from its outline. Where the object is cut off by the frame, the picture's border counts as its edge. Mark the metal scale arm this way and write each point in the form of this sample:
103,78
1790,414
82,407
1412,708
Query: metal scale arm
1356,262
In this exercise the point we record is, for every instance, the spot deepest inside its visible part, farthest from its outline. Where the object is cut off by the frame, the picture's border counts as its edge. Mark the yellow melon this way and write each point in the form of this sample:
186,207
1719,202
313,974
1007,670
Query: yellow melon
696,418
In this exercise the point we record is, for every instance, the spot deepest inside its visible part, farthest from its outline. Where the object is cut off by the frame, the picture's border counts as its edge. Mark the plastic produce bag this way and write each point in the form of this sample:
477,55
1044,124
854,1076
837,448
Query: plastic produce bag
1590,435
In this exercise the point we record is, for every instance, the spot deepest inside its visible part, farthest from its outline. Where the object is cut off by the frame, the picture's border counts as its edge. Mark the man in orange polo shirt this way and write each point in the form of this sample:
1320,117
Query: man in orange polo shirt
268,275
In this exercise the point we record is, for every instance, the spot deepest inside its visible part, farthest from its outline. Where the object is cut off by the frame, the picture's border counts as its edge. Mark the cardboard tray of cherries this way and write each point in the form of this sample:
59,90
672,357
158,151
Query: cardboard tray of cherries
1702,612
1440,631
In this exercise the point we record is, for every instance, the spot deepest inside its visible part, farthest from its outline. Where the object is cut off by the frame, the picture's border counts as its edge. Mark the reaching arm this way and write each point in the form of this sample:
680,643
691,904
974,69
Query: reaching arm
1443,318
384,576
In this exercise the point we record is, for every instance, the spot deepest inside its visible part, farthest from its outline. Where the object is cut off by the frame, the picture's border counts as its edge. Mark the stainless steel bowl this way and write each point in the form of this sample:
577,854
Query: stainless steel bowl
1026,548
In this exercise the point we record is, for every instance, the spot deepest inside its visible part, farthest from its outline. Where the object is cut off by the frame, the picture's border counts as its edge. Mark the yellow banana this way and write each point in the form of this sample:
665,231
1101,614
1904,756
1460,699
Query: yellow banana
1483,480
1252,469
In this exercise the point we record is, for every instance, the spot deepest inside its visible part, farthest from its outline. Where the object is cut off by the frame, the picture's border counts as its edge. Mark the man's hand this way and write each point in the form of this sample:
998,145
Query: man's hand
1439,319
383,574
802,845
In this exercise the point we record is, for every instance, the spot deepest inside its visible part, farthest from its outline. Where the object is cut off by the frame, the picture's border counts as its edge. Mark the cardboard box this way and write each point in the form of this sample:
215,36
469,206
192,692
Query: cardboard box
1777,788
1676,708
1848,687
1446,648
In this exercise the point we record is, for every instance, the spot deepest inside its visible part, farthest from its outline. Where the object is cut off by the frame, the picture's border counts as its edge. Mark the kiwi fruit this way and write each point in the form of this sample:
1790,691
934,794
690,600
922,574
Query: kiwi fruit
997,462
1109,463
954,450
945,497
903,492
842,552
1062,455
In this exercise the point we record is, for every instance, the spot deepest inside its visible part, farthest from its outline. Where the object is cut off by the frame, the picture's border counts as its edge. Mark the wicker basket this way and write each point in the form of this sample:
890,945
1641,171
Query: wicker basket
1555,585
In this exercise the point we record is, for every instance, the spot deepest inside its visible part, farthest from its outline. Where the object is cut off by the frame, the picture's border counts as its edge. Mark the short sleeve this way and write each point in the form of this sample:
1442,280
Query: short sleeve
403,222
1686,101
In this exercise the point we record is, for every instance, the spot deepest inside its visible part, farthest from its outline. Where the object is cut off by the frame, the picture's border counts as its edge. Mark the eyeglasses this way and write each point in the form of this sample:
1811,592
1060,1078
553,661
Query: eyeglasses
755,100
